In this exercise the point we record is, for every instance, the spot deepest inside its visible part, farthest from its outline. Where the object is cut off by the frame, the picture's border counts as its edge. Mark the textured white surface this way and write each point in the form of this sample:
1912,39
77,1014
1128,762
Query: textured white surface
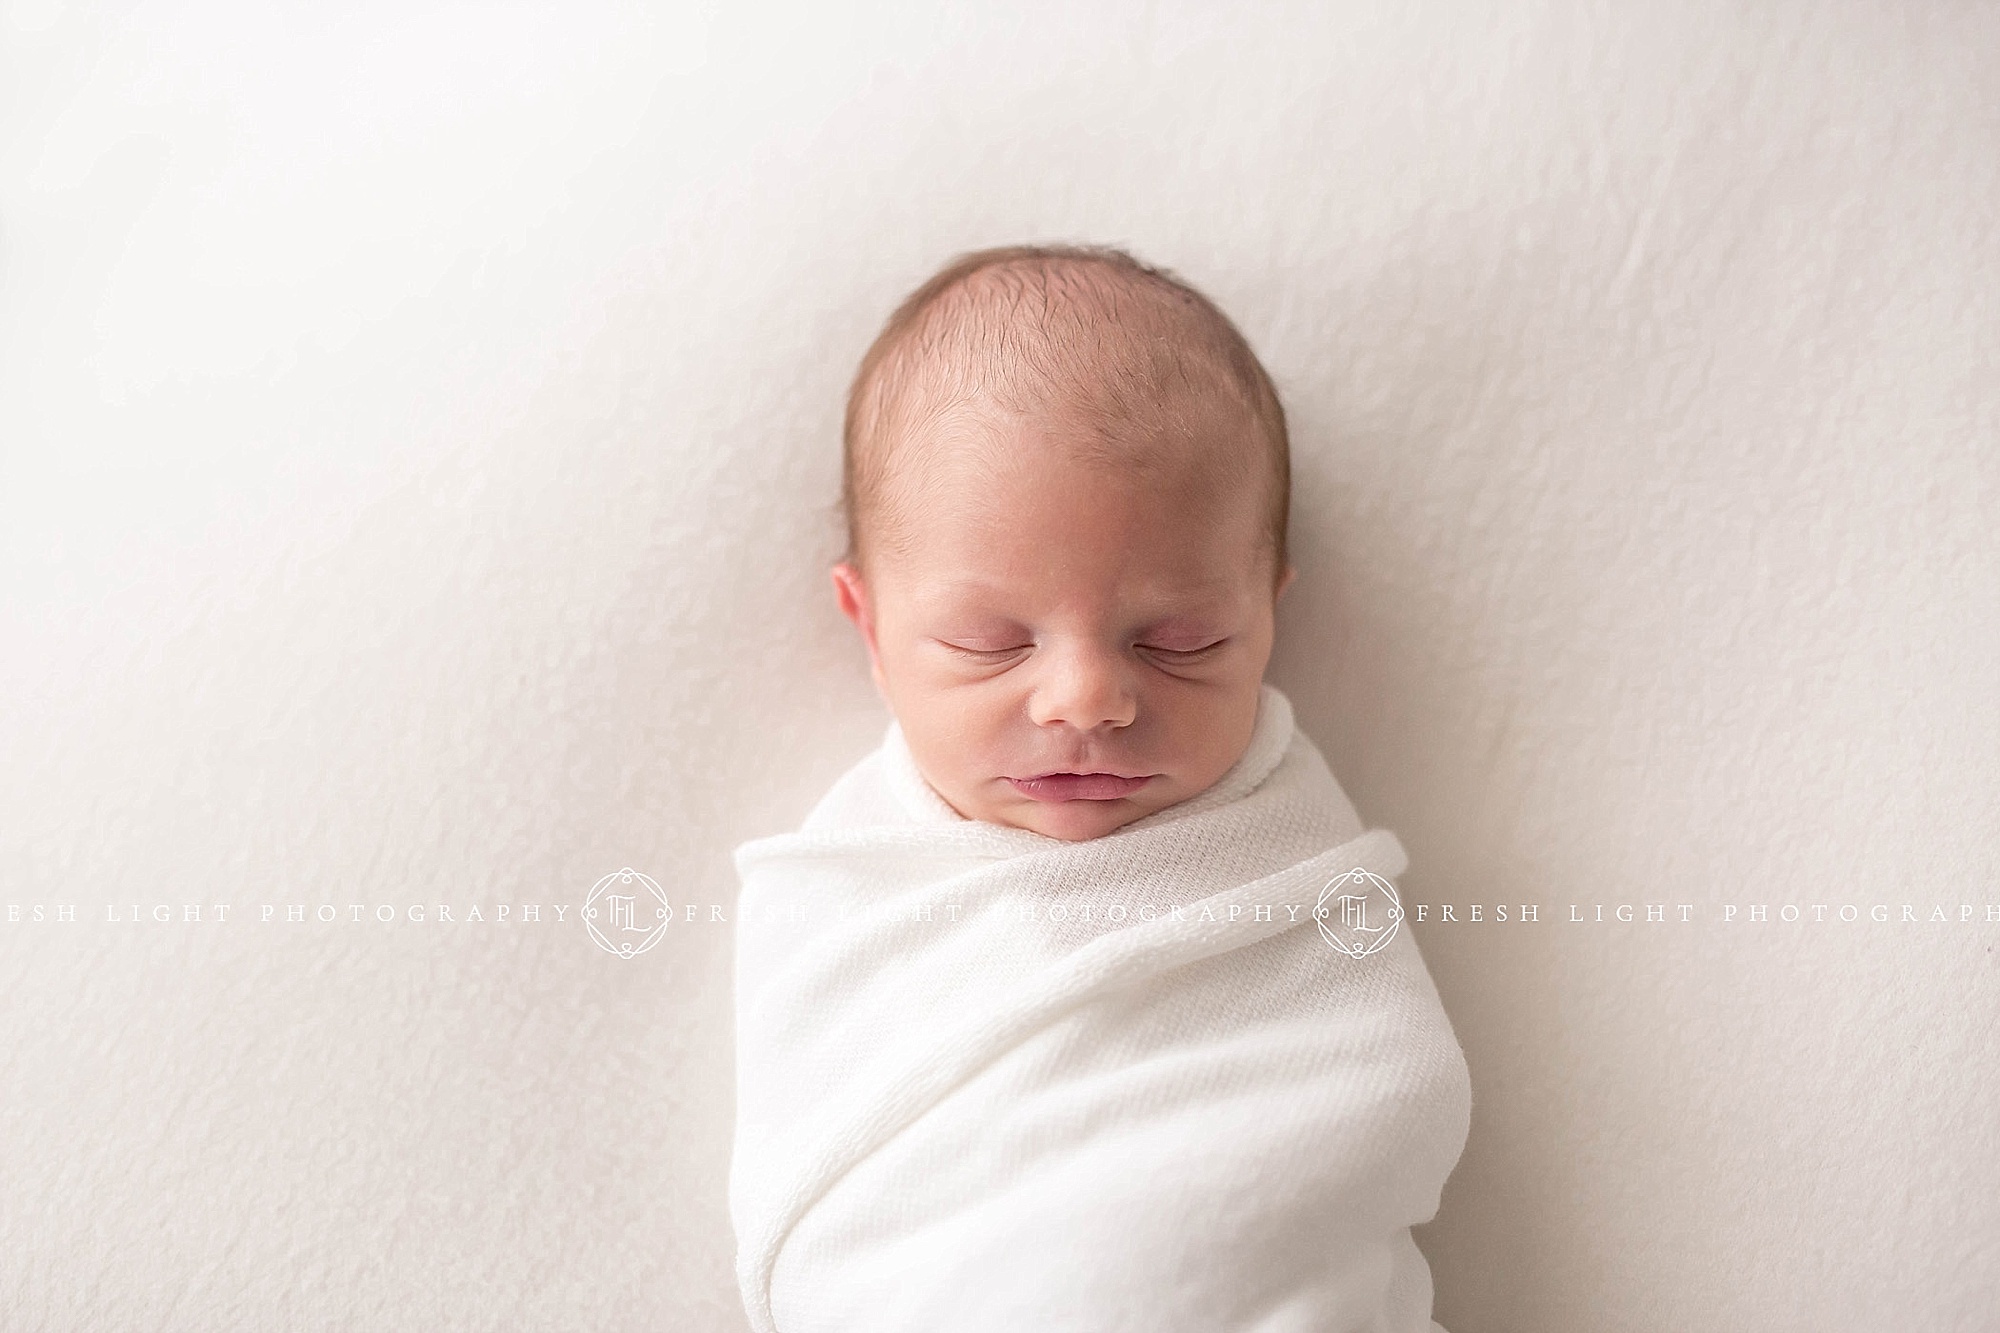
417,444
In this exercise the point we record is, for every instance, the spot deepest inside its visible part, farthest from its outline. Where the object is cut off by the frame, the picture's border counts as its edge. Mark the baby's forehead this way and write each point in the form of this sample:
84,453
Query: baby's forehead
969,497
985,457
980,458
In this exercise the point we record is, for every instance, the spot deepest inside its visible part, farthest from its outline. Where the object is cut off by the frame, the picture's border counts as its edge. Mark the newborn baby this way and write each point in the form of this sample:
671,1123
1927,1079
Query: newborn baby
1044,1022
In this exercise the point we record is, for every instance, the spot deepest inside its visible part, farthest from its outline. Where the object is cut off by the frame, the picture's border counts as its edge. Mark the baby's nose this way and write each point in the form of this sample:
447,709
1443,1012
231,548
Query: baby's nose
1084,687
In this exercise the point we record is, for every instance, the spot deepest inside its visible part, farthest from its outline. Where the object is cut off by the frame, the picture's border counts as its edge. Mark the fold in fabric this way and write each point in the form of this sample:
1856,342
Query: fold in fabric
992,1080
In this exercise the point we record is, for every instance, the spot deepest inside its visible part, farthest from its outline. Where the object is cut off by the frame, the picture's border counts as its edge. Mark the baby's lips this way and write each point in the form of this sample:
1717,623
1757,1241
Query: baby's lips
1055,787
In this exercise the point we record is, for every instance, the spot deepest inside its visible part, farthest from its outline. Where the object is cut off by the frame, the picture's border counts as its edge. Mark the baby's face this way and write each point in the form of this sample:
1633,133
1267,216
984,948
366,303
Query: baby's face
1067,649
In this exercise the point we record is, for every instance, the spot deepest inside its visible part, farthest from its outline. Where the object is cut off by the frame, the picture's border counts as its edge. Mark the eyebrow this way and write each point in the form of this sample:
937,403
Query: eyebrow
1207,598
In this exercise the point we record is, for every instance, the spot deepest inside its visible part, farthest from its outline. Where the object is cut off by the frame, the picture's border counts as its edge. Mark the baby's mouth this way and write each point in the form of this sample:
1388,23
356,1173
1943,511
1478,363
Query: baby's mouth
1079,786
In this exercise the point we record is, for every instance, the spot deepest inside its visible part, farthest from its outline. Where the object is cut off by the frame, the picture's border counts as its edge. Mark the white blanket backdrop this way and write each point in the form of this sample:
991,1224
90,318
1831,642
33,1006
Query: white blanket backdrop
418,436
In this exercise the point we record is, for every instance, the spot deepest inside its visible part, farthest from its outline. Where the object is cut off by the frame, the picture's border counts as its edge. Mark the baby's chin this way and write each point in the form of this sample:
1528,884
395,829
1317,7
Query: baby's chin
1077,820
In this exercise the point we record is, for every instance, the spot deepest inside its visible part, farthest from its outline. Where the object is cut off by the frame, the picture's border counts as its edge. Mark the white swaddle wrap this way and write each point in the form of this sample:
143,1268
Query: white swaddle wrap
973,1096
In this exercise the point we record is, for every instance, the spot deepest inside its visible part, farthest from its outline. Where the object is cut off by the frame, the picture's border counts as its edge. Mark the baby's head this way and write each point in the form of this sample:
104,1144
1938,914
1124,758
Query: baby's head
1066,482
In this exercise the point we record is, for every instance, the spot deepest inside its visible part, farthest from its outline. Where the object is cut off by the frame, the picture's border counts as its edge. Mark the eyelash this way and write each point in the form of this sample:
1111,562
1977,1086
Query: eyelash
982,652
1173,654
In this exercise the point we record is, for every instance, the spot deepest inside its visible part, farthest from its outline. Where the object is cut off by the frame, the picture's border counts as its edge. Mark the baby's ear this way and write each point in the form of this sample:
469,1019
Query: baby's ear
851,591
1285,581
852,594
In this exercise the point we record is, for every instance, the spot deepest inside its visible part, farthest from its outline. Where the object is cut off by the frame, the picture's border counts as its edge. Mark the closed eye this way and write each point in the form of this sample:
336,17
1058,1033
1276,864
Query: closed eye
985,654
1184,654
